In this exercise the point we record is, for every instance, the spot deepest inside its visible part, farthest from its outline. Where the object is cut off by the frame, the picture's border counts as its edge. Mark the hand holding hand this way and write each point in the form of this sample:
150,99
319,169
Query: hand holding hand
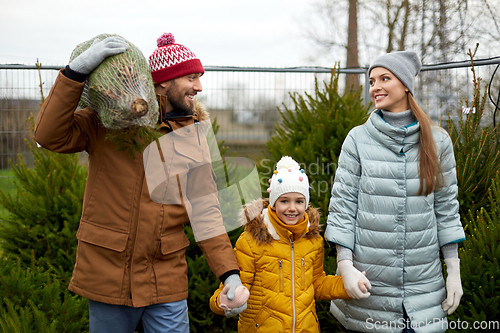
86,62
234,296
453,285
355,283
237,305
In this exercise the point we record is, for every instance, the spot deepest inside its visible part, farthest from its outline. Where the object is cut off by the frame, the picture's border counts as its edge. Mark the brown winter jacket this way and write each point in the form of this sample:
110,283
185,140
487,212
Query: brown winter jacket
131,250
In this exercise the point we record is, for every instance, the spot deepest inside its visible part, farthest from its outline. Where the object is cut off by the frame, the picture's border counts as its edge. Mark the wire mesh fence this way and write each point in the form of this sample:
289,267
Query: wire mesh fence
243,101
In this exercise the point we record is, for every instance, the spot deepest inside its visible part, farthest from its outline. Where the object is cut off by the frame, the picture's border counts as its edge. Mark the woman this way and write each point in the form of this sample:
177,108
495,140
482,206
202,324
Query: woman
393,207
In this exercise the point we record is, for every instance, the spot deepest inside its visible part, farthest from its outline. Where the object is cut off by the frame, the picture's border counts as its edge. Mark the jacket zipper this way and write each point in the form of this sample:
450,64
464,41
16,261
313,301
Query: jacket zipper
303,275
294,319
281,275
196,124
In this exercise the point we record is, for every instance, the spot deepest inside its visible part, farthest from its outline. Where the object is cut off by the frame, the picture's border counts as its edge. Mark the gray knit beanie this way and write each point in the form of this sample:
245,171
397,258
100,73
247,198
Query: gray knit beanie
405,65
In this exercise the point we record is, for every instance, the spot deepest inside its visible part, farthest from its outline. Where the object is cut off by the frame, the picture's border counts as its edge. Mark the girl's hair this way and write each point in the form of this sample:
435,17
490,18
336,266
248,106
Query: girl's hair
429,169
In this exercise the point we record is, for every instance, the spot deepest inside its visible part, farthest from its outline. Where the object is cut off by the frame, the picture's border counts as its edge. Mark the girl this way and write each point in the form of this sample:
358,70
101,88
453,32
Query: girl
393,207
280,255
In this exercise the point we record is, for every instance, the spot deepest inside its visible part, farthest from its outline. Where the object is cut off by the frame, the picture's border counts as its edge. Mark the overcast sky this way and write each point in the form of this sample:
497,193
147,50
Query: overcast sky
261,33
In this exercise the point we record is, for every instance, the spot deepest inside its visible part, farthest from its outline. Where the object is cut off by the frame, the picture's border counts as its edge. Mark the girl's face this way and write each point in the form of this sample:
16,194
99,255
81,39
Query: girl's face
290,207
387,92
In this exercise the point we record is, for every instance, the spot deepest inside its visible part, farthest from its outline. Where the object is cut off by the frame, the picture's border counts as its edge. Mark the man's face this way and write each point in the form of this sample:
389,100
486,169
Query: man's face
181,92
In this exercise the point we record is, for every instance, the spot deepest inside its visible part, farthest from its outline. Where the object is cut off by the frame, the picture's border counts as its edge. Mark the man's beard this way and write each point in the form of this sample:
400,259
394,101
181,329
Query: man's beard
178,100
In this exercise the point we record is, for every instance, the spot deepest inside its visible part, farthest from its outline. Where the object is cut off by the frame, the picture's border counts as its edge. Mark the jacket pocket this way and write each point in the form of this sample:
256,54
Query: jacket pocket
100,260
188,150
174,242
102,237
265,321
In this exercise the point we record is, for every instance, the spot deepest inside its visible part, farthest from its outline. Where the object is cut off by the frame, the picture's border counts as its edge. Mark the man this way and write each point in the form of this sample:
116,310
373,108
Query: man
130,260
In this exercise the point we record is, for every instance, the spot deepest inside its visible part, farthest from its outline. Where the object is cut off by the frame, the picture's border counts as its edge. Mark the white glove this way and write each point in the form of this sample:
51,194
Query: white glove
453,285
355,283
233,281
86,62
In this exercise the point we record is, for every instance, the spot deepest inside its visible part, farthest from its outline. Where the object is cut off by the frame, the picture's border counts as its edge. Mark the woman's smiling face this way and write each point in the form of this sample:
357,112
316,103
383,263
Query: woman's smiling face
387,92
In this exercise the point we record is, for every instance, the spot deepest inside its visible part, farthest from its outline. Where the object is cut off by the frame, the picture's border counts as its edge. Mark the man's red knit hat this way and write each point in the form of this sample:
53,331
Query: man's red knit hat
170,60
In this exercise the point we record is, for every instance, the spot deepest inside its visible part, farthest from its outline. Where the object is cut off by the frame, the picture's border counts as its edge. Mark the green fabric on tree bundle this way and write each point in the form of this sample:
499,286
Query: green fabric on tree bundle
120,89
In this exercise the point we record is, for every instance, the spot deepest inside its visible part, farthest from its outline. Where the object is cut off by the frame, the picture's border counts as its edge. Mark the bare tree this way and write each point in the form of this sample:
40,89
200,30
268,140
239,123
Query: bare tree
439,30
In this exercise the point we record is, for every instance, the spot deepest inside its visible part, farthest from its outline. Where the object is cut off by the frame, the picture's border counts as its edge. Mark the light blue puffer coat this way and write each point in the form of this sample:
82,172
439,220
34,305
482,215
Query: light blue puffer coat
395,234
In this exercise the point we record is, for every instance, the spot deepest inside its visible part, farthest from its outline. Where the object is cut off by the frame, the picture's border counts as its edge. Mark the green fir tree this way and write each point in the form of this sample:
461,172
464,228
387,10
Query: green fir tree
476,148
33,299
480,267
45,211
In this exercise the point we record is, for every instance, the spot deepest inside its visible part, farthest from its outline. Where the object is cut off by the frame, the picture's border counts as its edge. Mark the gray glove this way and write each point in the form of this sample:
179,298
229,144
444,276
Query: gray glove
235,311
86,62
234,282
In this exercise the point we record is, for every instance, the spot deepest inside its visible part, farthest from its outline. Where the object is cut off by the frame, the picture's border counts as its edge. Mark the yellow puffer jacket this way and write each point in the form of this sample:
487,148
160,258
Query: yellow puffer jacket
284,277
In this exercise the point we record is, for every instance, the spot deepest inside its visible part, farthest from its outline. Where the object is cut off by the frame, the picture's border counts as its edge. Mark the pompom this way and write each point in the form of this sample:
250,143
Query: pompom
301,178
287,162
165,39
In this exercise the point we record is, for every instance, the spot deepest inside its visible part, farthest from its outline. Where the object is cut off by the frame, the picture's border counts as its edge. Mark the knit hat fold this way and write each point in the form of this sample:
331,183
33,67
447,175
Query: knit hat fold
170,60
288,177
405,65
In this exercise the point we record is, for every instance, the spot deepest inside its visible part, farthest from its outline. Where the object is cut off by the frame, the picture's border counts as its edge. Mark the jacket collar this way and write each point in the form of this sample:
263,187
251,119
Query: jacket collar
390,136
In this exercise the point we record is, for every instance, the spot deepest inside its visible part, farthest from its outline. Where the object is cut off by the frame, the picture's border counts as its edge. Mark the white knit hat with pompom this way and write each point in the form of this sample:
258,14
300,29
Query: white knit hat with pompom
288,177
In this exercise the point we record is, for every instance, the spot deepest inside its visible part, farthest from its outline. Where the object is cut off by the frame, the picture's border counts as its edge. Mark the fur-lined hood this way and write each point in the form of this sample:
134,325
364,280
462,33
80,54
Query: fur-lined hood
259,226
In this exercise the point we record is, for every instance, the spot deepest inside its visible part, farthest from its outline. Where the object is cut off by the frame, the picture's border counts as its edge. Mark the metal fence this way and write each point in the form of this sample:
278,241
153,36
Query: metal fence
244,101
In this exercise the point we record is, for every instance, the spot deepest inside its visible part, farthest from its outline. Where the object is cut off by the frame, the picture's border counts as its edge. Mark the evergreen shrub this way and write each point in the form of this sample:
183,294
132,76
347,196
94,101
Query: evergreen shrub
33,299
480,269
476,146
46,209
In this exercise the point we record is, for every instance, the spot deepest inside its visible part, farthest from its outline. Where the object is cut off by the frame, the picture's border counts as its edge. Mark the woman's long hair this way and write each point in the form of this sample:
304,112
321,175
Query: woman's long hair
429,168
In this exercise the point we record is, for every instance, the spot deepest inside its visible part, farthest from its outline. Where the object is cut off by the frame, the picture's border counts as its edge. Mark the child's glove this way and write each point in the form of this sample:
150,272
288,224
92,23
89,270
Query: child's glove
453,285
86,62
355,283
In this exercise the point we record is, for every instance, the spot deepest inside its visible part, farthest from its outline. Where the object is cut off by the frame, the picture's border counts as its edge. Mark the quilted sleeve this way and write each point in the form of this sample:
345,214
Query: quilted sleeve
246,260
450,228
344,200
326,286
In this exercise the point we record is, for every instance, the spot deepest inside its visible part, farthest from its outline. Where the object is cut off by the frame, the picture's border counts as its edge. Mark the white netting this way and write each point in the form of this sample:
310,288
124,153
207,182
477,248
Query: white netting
120,89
